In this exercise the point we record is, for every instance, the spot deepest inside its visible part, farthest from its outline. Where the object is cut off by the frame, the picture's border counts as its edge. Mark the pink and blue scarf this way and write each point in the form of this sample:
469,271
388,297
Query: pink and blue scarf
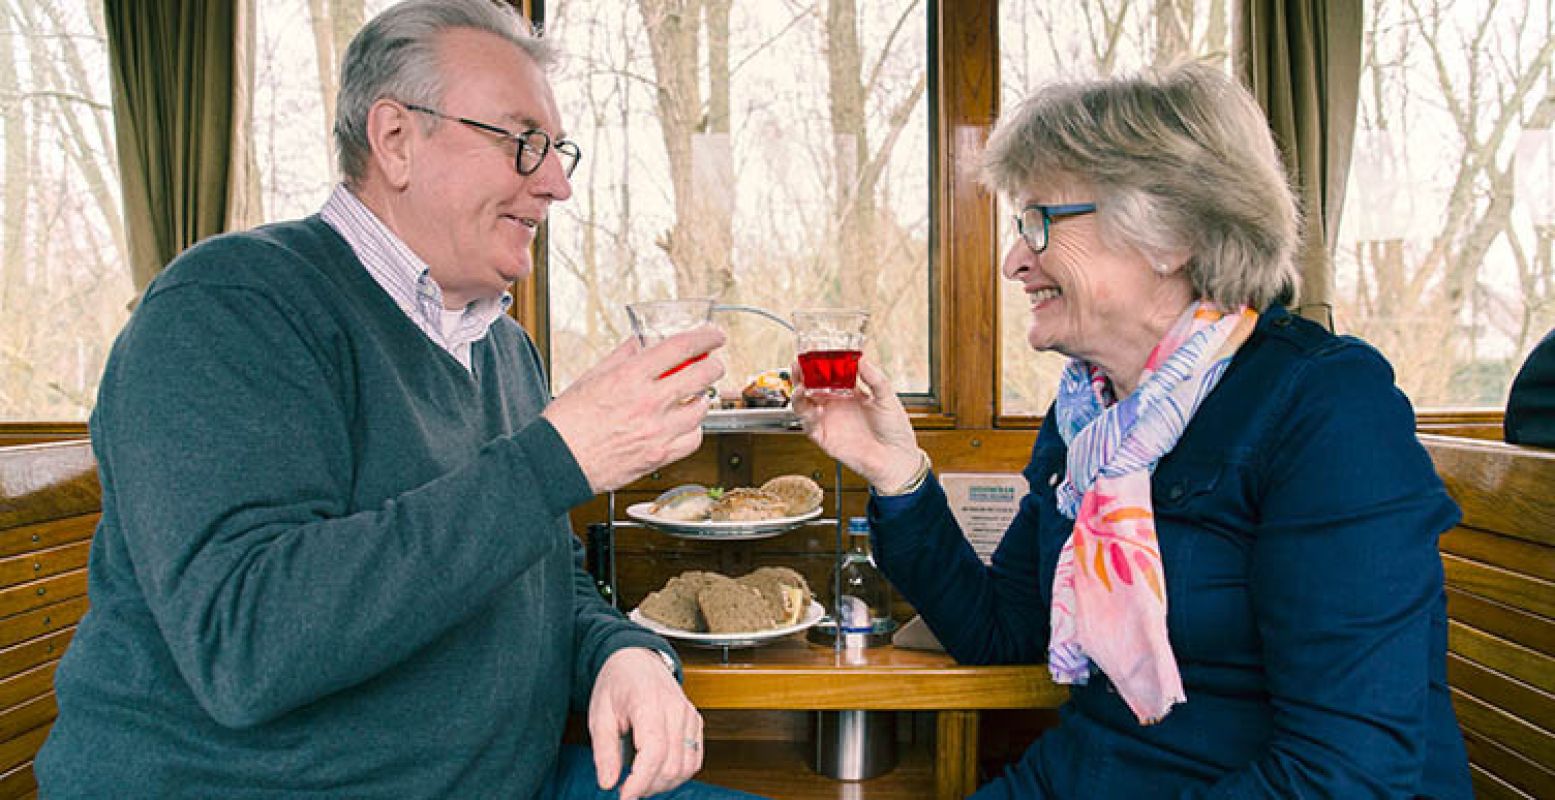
1109,593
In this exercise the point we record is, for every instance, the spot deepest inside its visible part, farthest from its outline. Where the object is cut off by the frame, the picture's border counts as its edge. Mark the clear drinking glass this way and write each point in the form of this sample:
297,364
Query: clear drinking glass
829,343
655,320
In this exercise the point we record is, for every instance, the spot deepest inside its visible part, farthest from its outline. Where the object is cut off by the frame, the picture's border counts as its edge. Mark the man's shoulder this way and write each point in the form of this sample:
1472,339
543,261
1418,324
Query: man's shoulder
271,255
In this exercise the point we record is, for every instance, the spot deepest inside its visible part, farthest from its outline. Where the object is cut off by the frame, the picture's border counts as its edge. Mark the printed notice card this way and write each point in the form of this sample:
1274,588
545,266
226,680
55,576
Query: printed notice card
984,503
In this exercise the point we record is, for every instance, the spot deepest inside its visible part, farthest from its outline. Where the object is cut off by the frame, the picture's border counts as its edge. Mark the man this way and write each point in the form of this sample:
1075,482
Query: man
334,557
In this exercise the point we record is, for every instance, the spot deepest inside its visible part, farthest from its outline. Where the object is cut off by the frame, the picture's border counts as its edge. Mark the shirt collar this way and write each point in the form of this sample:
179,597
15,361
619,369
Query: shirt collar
403,275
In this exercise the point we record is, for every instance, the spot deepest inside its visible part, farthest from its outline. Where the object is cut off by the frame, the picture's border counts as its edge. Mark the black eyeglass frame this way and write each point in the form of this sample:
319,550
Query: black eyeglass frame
566,149
1049,213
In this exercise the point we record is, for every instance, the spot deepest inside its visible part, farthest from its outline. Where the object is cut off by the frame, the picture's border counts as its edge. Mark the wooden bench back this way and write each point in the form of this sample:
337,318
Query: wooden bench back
1500,565
49,505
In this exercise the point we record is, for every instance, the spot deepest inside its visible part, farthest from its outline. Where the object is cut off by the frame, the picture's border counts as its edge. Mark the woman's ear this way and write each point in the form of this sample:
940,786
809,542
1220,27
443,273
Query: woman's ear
392,139
1171,262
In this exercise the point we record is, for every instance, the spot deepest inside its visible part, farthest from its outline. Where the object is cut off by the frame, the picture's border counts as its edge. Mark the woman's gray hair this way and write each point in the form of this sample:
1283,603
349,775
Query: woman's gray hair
1182,161
396,55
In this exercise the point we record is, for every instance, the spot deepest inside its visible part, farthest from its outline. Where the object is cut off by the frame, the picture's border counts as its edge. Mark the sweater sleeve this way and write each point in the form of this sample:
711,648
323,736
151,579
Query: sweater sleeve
993,614
1345,581
268,589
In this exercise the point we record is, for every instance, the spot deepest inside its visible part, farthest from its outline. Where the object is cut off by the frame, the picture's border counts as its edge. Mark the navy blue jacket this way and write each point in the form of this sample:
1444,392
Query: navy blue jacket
1298,519
1530,404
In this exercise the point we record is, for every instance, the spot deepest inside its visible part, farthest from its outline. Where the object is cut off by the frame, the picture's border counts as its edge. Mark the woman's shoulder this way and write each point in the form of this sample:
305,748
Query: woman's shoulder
1287,343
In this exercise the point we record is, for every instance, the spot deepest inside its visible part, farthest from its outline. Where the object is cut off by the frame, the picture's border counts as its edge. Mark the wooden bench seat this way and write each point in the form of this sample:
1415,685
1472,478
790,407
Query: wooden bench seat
1500,565
49,505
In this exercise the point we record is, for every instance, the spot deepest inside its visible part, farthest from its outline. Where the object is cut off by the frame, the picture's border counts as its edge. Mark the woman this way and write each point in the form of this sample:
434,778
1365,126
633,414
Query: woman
1229,543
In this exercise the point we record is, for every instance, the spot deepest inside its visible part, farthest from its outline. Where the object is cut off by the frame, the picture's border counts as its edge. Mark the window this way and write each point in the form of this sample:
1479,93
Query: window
298,45
1444,257
1041,41
64,281
767,154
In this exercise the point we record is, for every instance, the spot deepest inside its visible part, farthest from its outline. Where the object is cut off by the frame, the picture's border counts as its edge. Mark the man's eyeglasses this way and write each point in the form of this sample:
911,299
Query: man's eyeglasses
1033,220
533,144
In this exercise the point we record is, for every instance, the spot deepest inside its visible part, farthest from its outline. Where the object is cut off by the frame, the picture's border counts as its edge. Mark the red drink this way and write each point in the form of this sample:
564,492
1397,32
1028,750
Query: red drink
682,365
830,372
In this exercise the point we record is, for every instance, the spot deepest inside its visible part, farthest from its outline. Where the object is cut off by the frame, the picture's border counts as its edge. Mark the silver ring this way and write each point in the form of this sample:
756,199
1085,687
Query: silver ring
691,743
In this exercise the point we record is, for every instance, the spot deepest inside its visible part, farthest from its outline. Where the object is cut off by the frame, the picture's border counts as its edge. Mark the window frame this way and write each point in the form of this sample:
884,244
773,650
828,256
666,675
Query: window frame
964,251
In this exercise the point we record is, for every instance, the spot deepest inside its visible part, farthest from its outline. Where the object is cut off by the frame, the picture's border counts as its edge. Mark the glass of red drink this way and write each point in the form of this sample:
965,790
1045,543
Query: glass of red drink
655,320
829,343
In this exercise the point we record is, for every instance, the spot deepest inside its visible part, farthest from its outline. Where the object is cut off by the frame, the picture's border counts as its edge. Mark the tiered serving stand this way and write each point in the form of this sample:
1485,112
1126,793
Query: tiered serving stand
740,420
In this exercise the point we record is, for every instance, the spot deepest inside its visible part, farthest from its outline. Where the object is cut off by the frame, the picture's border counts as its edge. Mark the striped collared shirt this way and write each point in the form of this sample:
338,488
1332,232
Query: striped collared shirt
407,278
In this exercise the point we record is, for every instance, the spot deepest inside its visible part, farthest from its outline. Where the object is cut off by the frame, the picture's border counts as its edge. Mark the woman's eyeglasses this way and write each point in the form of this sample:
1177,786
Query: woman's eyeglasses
1033,220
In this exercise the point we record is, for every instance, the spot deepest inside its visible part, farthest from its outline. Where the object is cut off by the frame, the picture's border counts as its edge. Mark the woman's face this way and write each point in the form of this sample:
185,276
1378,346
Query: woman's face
1087,299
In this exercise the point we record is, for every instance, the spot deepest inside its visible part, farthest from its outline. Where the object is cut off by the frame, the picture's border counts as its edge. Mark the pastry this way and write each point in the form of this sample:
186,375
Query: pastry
685,503
769,389
747,505
799,494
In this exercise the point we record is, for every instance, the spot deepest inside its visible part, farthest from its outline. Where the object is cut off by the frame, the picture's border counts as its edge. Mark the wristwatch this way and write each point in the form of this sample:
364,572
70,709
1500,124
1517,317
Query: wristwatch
669,660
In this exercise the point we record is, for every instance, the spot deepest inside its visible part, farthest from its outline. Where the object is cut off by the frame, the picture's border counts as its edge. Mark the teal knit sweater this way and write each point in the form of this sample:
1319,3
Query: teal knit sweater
331,562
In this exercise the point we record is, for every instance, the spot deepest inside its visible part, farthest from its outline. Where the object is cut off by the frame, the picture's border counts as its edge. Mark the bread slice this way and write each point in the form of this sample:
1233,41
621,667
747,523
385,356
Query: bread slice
676,604
732,607
785,592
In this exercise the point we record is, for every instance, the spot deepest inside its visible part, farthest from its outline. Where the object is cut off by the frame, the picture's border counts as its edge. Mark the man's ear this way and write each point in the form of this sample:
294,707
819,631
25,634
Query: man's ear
392,139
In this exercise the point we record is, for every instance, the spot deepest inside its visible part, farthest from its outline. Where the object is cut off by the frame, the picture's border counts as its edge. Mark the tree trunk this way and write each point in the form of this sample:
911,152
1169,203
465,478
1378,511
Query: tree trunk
18,168
700,161
333,23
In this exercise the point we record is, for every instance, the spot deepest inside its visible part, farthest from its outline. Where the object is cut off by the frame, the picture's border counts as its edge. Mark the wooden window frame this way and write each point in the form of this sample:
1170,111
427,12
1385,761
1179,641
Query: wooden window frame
964,251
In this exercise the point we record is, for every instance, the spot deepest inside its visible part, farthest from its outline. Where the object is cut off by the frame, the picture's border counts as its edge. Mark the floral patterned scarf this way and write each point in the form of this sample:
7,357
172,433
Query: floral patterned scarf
1109,593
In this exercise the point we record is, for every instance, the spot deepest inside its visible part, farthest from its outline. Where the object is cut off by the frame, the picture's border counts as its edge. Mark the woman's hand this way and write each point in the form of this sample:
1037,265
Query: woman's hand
869,433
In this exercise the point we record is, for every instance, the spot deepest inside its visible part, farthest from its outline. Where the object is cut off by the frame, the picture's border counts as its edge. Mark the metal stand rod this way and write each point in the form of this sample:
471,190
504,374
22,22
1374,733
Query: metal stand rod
610,563
836,570
760,312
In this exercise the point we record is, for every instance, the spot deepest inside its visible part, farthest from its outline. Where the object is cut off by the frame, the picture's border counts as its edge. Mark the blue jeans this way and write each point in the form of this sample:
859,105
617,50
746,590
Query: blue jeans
573,779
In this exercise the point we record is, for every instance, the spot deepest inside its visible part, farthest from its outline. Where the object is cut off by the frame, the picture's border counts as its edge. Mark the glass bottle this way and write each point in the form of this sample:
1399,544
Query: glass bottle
864,606
598,559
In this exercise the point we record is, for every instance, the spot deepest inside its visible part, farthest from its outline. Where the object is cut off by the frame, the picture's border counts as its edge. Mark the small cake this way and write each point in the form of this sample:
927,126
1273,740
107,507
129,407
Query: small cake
732,607
800,495
785,591
676,604
769,389
747,505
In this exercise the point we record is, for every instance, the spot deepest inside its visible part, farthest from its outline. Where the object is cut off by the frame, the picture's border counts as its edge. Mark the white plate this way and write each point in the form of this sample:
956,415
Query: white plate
812,615
731,530
747,419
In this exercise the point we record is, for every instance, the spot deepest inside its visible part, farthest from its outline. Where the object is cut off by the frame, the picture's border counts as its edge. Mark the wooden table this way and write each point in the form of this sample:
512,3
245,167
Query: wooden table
792,674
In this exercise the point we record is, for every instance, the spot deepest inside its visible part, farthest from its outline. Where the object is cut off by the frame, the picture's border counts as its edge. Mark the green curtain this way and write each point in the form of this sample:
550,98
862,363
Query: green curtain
172,66
1302,60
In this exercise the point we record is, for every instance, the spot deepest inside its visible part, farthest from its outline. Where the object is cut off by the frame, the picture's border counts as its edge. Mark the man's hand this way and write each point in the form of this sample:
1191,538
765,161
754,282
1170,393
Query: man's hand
635,412
634,692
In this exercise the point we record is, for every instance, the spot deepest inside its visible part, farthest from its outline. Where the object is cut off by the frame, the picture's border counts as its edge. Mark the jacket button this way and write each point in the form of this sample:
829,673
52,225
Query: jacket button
1283,322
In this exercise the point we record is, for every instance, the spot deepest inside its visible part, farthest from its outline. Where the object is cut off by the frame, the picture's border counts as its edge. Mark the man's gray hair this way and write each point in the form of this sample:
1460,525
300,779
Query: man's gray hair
1182,160
396,55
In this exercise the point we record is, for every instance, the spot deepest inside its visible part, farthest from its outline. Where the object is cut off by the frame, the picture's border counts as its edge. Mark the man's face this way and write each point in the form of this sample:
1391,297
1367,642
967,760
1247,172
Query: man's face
466,211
